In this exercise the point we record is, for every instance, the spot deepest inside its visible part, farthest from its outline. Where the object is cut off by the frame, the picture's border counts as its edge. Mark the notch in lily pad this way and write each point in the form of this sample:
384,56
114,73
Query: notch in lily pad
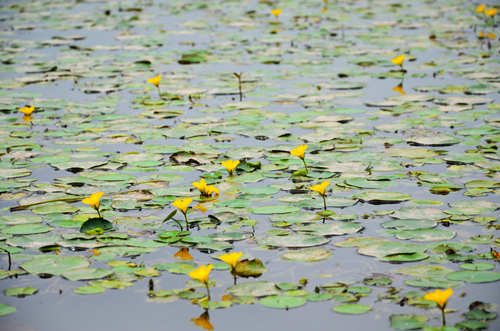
96,225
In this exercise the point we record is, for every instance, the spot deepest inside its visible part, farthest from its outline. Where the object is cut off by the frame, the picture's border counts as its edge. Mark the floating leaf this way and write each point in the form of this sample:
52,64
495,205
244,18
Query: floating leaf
353,309
283,302
308,255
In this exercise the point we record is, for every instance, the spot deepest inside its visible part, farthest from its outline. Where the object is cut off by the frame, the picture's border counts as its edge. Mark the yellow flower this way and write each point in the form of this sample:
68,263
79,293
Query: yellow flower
201,186
183,254
491,12
481,8
155,80
321,188
481,34
27,110
182,204
231,259
440,297
399,89
230,165
299,151
399,60
201,273
491,36
205,190
93,200
276,12
203,321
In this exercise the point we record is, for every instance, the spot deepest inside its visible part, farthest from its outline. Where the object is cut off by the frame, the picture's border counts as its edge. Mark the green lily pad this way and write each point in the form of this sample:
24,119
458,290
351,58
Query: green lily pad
283,302
408,322
54,265
255,289
353,309
479,266
279,209
424,270
27,229
250,268
470,276
308,255
433,282
96,223
384,249
89,290
296,240
472,325
425,235
85,273
6,310
329,229
20,291
381,196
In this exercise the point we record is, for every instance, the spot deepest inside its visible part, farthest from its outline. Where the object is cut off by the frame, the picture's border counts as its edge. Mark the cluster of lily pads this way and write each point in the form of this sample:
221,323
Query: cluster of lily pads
88,185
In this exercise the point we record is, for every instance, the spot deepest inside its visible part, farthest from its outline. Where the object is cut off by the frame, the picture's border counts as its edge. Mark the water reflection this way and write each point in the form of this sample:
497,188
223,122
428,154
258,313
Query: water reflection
203,321
183,254
399,89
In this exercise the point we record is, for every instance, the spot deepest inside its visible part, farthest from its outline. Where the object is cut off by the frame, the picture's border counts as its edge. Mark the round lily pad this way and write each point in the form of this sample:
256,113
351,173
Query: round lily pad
255,289
27,229
86,273
382,196
283,302
425,235
470,276
329,229
308,255
54,265
279,209
353,309
479,266
297,240
89,290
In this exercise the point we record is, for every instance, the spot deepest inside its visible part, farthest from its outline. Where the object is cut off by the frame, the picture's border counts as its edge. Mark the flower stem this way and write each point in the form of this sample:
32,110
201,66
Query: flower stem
305,165
444,318
187,223
98,213
208,291
324,200
158,91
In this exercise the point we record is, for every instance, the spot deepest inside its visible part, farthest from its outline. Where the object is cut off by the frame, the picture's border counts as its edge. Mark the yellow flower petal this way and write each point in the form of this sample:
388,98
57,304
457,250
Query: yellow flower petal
201,273
155,80
276,12
440,297
230,165
481,8
491,12
320,188
231,259
182,204
27,110
93,200
399,60
299,151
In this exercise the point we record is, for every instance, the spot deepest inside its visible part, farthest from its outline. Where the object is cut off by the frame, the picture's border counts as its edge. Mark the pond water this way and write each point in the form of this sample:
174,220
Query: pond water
410,154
